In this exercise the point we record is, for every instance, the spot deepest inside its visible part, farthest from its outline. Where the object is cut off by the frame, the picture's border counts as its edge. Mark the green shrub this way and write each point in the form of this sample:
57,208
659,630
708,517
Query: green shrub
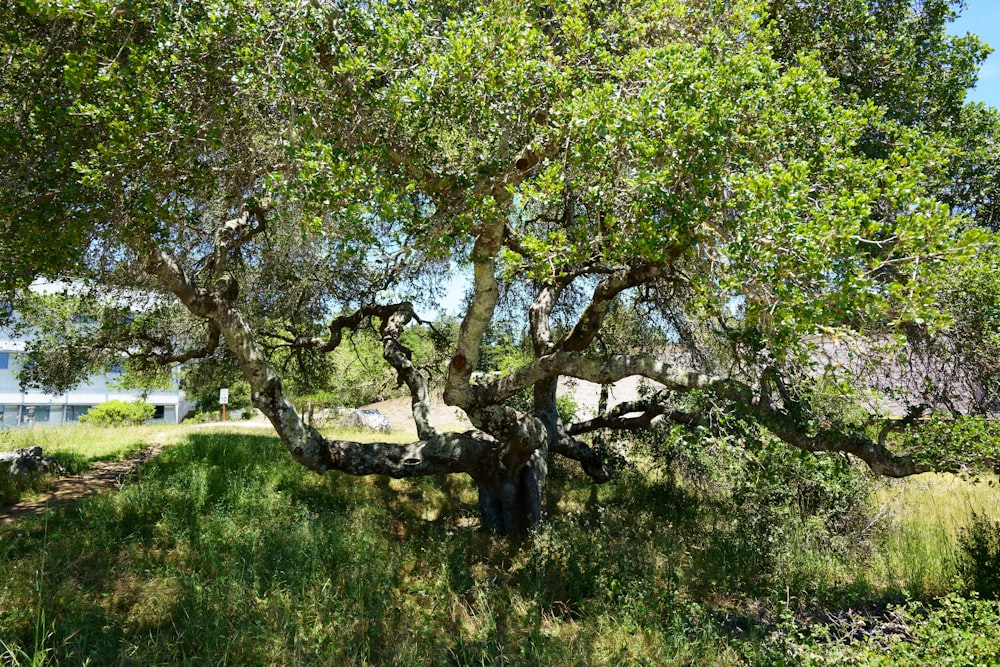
119,413
979,556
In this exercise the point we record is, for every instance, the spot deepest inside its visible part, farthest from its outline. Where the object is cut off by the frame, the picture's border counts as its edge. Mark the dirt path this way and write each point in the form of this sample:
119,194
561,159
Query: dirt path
102,476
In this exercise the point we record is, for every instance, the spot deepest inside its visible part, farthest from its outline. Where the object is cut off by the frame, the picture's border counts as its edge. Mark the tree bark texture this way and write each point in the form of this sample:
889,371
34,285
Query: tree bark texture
507,456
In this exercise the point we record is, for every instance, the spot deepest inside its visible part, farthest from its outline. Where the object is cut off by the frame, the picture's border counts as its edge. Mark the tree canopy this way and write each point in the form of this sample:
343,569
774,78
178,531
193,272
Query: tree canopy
743,177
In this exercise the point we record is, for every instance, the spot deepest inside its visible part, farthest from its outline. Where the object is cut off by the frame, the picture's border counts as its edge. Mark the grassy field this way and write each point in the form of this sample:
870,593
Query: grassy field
81,442
74,447
225,552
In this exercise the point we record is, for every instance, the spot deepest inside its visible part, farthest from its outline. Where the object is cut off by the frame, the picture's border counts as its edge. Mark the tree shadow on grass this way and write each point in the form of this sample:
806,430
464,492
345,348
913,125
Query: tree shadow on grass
209,555
226,550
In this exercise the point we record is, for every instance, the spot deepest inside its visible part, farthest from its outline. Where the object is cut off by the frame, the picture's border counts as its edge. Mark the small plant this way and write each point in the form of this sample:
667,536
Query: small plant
119,413
979,556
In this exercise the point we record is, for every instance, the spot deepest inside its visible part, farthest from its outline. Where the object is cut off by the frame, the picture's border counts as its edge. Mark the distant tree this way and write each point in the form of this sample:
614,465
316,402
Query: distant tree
747,173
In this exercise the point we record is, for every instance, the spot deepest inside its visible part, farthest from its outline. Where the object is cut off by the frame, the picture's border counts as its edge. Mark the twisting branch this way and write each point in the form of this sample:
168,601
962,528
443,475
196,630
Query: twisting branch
604,295
489,240
591,460
474,454
513,241
609,371
394,319
617,418
913,413
172,357
878,457
229,238
539,314
784,425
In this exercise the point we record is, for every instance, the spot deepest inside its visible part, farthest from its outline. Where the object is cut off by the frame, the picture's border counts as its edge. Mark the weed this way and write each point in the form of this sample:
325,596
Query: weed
225,551
979,556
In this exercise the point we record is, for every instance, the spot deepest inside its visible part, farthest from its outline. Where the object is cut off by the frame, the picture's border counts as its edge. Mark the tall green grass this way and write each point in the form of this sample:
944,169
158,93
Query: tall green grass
75,447
923,517
227,552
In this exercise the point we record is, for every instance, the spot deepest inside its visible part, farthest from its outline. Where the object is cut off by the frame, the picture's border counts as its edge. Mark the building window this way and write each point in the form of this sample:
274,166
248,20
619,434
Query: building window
115,367
37,414
74,412
11,414
158,412
4,360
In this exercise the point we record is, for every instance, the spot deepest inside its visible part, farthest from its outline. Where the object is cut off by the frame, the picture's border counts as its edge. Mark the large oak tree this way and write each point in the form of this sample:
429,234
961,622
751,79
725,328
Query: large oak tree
745,174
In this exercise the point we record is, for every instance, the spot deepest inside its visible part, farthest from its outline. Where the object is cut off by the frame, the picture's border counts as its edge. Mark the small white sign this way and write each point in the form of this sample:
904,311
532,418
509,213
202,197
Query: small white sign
223,396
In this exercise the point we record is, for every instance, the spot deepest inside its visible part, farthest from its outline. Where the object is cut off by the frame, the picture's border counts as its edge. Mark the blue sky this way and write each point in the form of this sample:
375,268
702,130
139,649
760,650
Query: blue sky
982,17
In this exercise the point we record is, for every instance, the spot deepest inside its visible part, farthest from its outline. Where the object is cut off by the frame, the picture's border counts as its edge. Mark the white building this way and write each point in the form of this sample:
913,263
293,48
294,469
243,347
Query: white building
19,408
24,408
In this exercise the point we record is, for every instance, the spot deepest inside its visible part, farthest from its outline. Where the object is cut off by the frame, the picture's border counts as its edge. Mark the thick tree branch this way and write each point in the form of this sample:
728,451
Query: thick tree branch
913,413
448,453
604,295
609,371
539,319
618,417
469,453
458,391
783,425
399,357
172,357
229,238
879,458
591,460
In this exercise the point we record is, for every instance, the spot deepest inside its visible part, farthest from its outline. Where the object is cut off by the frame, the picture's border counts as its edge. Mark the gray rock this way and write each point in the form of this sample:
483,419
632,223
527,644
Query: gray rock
28,460
373,420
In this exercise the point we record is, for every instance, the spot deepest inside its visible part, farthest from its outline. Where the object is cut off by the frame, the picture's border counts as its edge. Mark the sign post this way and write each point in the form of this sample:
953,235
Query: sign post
223,400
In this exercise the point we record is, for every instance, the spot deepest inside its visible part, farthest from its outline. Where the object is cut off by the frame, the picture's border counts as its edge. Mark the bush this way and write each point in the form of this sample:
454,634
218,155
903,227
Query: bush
979,556
119,413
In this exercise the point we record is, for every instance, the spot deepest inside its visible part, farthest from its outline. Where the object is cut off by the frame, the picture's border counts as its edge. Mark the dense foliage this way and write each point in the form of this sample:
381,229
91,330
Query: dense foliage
119,413
746,182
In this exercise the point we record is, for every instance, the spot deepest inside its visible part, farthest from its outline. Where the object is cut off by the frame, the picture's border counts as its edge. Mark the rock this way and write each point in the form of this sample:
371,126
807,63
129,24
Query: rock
29,460
373,420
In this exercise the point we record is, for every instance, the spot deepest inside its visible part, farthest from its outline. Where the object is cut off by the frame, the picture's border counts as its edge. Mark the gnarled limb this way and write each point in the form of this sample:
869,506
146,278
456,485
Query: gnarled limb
913,413
605,293
618,417
458,391
591,460
171,356
435,454
399,357
879,458
444,453
538,318
783,425
609,371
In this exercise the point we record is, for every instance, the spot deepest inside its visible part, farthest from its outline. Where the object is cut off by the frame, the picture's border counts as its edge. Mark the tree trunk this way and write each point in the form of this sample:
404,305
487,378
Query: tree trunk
512,503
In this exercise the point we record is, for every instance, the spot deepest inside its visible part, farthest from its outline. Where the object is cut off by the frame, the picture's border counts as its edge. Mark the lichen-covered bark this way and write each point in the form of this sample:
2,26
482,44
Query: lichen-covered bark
433,454
508,456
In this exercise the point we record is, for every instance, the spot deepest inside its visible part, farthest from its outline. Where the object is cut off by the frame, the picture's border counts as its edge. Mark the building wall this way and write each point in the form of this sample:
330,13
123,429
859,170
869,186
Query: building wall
19,408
